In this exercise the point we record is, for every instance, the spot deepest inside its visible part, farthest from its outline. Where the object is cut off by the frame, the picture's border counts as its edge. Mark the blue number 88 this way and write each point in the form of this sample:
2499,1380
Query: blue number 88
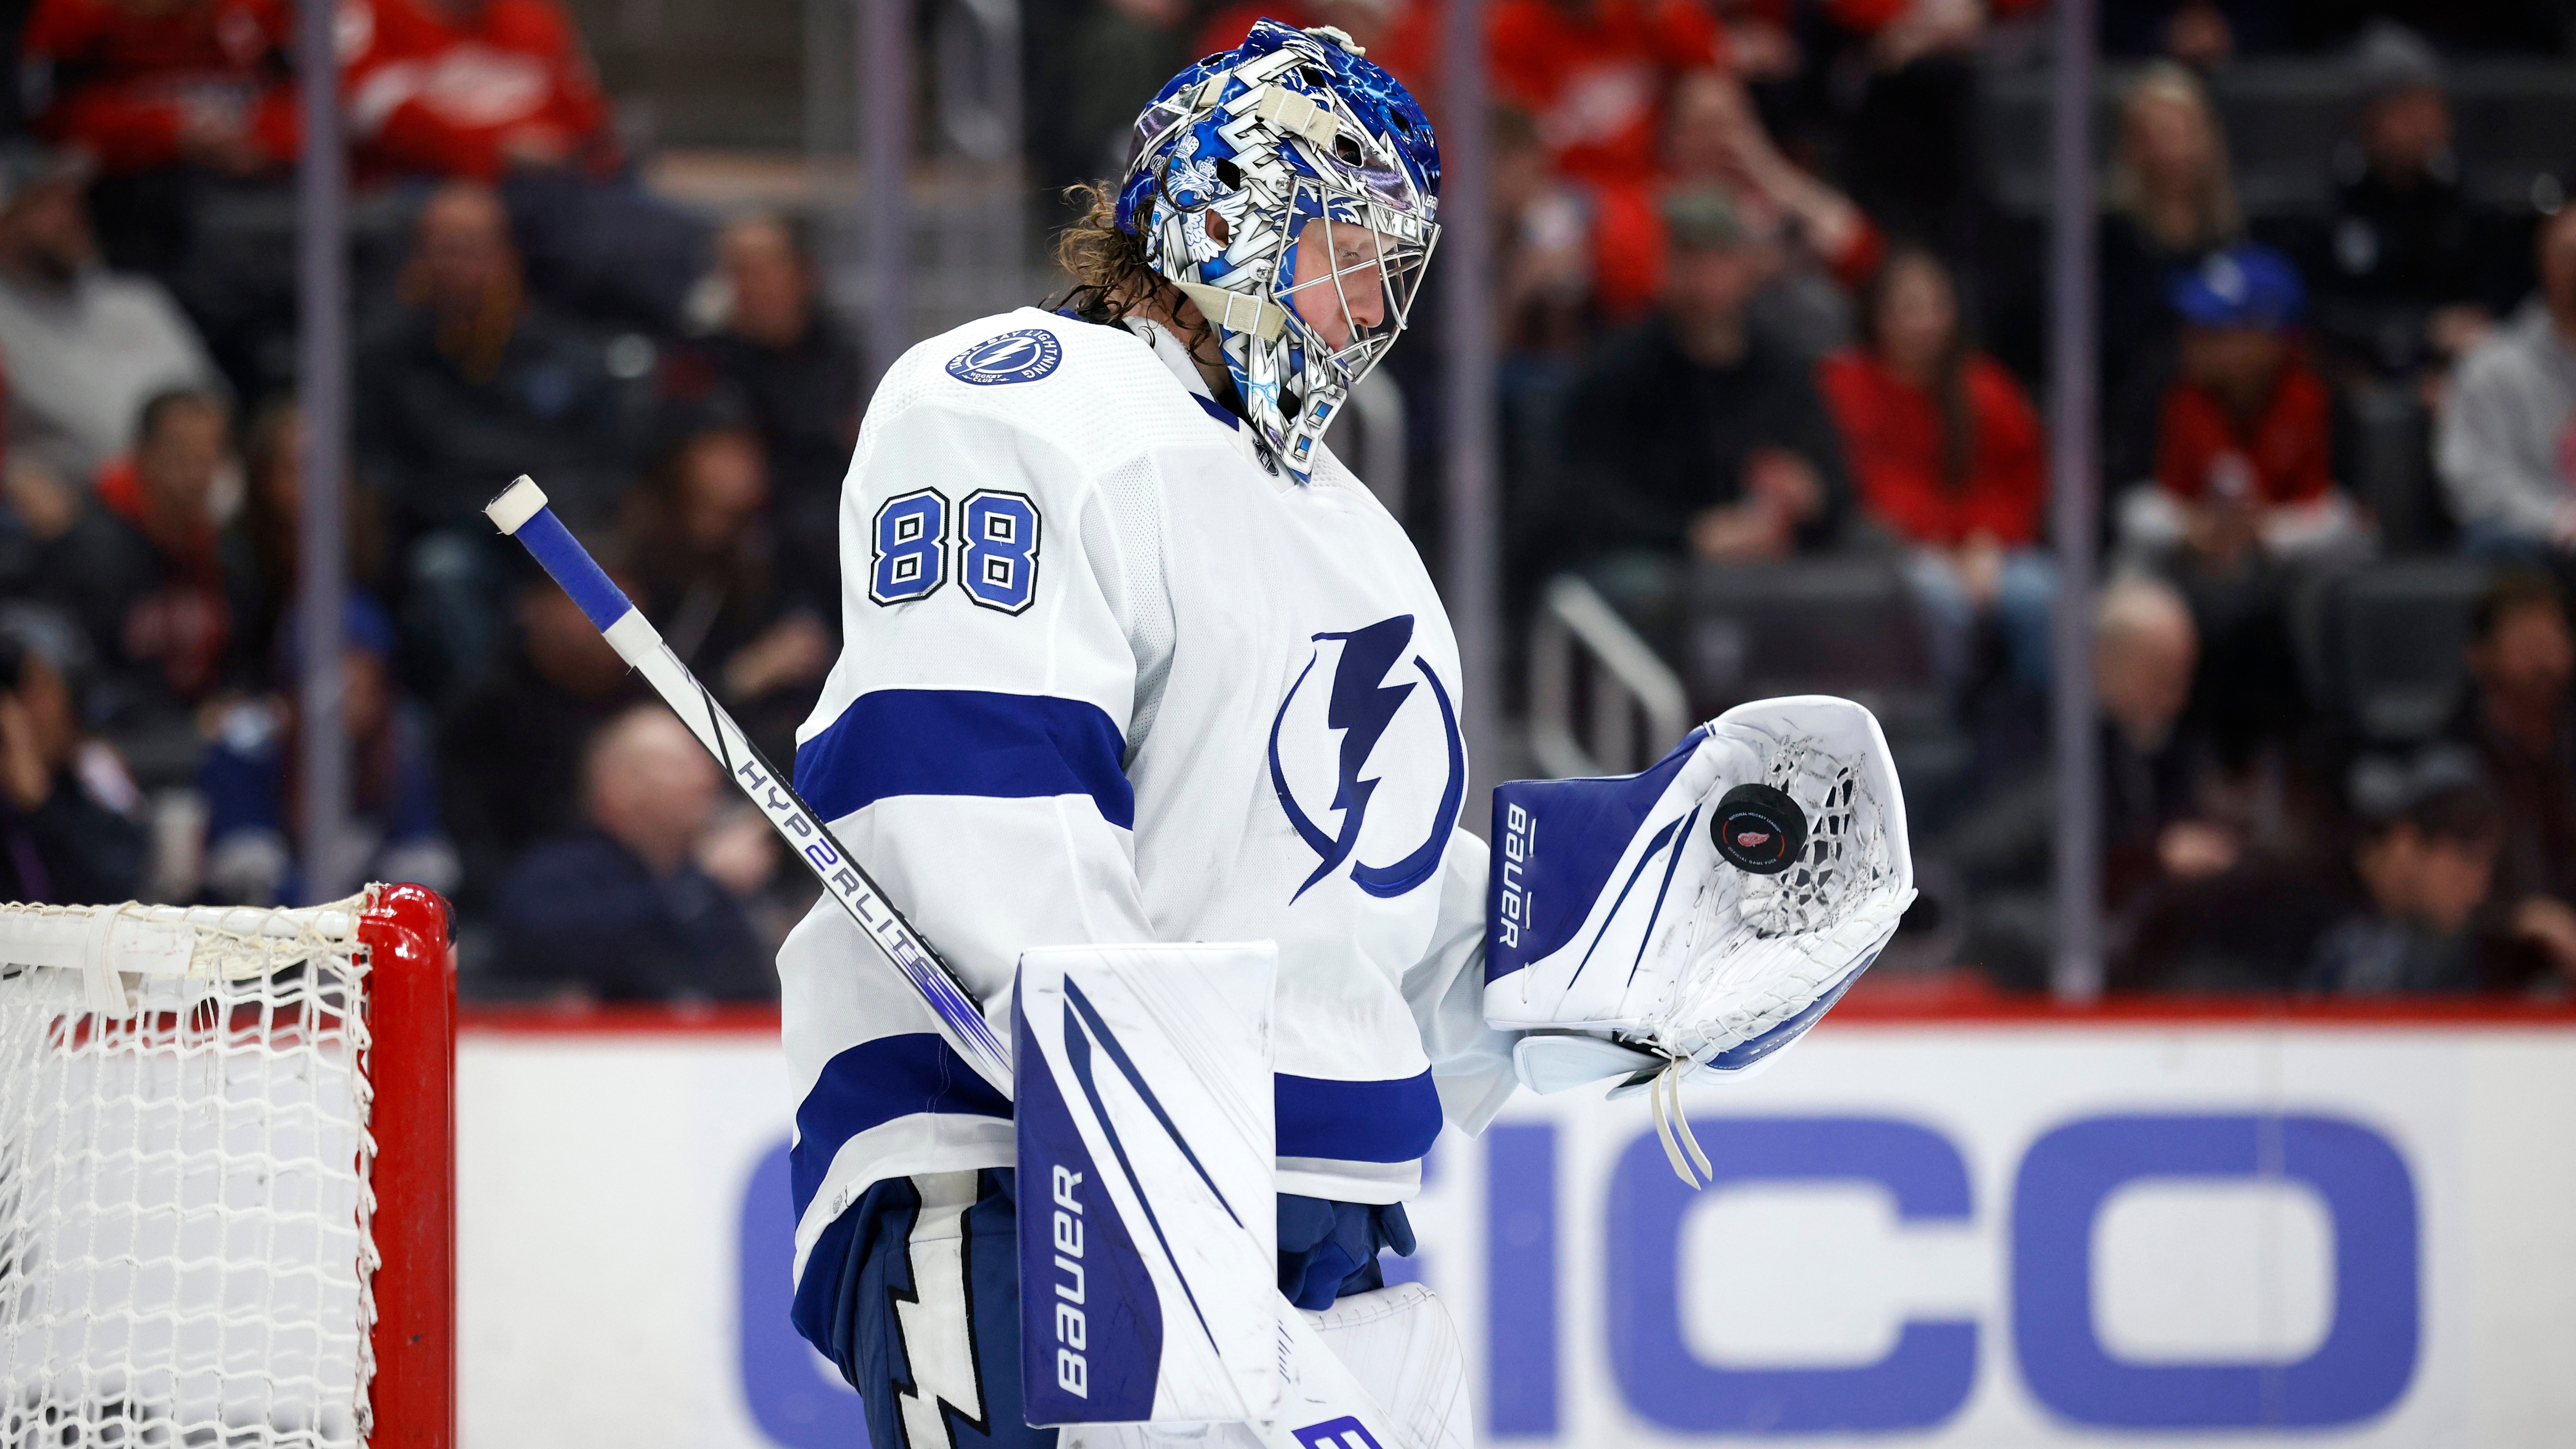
909,559
1001,565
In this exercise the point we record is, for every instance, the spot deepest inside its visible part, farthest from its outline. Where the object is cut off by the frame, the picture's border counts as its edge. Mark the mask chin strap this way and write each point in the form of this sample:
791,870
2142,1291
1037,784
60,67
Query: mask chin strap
1237,311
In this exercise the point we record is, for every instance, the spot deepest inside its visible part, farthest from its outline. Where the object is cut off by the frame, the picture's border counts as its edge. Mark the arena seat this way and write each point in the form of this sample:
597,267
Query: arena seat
1833,625
1844,626
2388,451
2385,644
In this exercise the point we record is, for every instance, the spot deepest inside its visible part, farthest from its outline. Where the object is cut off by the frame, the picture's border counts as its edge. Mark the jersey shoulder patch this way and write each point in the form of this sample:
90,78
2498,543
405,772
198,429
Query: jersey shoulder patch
1100,399
1023,354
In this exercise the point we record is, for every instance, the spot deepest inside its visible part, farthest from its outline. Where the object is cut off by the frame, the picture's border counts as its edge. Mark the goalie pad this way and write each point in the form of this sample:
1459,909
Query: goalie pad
1148,1228
1402,1347
1397,1350
1702,914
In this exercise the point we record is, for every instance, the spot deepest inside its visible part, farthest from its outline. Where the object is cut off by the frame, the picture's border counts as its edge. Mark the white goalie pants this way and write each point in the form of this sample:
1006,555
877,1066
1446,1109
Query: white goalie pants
1400,1344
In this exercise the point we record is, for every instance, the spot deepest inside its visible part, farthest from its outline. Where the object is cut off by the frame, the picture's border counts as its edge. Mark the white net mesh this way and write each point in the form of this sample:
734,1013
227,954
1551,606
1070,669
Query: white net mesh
1846,855
1747,980
185,1250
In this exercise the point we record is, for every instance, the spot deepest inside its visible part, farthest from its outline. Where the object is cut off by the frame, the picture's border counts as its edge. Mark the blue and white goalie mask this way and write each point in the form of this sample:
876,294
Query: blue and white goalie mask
1698,916
1288,187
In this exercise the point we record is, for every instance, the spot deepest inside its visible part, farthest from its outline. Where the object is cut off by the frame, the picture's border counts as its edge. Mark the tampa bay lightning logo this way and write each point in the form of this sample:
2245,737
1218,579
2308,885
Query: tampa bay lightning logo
1023,356
1372,681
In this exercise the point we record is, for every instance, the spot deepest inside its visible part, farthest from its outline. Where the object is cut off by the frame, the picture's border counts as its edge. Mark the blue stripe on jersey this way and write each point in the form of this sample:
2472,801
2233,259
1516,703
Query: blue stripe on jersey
873,1083
1390,1121
877,1081
965,742
1216,410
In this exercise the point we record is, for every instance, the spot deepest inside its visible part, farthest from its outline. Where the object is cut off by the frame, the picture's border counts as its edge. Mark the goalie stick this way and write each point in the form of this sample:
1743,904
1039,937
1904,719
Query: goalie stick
522,513
1324,1404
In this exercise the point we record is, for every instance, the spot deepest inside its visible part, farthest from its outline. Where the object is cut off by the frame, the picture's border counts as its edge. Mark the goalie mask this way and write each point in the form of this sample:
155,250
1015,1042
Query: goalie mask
1288,188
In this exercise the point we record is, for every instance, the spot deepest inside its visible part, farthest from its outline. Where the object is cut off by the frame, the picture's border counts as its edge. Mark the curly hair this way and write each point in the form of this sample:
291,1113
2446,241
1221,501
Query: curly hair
1112,278
1106,261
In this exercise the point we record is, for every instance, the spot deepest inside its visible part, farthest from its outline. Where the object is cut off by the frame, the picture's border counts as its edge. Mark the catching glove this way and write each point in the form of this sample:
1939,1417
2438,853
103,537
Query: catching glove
1699,915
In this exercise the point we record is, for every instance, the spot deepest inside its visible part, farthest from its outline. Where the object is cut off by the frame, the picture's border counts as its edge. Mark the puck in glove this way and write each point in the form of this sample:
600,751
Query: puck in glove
1759,829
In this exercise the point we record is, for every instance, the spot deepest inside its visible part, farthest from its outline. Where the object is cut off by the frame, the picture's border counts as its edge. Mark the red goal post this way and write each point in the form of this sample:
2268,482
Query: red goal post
412,1017
227,1174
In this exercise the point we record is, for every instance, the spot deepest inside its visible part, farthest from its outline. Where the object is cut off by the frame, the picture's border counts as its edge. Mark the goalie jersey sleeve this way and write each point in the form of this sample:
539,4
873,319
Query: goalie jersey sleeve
1107,679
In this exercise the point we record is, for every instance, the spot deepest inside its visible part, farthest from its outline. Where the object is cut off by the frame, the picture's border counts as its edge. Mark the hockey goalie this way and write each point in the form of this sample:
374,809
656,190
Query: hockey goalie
1148,718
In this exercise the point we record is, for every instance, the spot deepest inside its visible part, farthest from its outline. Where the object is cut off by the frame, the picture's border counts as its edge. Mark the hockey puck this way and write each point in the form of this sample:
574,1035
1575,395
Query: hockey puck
1759,829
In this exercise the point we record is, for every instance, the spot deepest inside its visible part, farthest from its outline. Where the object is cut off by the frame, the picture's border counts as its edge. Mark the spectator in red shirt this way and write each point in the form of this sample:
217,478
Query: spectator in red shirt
2244,438
1718,133
502,91
1597,75
1945,453
1828,246
2243,496
141,85
1629,245
470,88
1823,250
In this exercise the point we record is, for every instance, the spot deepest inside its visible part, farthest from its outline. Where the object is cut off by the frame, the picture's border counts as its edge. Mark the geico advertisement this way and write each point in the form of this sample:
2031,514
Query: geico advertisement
1987,1235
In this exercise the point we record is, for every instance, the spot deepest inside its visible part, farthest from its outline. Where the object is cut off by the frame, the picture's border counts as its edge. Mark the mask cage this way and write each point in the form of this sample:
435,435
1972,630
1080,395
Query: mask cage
1374,256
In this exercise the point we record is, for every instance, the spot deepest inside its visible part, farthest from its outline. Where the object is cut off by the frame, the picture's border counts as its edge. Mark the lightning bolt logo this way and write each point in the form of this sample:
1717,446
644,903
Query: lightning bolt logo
935,1320
1361,707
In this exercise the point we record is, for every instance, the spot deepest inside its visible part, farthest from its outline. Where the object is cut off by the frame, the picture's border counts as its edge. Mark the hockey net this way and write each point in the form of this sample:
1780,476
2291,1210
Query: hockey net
226,1175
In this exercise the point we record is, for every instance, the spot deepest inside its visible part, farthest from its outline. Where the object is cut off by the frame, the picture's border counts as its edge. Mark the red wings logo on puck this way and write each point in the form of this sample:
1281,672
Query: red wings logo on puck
1758,828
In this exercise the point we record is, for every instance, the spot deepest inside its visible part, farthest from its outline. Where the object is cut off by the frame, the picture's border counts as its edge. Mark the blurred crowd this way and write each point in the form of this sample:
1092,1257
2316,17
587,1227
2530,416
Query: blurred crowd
520,304
1764,324
1774,349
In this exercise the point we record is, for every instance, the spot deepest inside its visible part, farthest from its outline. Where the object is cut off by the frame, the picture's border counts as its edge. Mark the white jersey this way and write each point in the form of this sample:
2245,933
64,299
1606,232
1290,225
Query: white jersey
1109,678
